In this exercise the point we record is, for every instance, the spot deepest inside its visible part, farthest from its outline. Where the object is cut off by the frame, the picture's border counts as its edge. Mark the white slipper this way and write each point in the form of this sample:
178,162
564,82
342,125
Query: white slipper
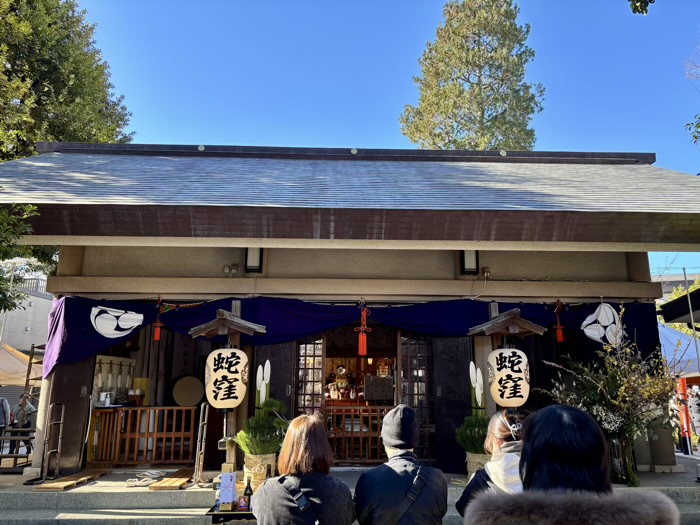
133,482
145,482
151,474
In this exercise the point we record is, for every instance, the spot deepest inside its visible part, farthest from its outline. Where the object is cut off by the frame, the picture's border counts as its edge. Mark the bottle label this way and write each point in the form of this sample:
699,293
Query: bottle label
243,504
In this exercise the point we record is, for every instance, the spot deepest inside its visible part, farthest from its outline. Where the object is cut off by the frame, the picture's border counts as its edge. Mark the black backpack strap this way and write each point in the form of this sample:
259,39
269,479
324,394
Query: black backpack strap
411,496
298,496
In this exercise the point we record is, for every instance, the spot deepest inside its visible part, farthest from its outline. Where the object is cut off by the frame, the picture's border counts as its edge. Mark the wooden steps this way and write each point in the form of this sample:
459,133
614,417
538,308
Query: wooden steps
69,482
174,481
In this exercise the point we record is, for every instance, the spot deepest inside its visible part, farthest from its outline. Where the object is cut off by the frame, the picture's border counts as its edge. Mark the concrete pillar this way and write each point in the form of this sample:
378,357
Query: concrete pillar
638,267
663,453
642,454
70,261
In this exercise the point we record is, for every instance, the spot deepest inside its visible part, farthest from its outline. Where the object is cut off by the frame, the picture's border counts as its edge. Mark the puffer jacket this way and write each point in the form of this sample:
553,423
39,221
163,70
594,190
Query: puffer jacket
627,507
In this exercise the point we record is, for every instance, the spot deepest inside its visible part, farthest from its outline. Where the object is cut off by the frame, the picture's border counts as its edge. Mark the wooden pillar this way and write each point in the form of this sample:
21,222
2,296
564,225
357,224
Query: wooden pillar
234,340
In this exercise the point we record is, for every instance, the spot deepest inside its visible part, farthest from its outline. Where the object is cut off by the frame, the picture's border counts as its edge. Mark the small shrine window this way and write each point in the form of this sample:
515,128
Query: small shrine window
310,378
417,387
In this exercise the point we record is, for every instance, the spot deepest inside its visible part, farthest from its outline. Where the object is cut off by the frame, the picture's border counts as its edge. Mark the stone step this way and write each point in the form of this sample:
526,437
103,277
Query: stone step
690,515
679,495
126,499
189,505
130,516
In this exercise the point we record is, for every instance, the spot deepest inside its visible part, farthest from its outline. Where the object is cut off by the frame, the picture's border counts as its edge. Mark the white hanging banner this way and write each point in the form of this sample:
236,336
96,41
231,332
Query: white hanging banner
509,376
225,378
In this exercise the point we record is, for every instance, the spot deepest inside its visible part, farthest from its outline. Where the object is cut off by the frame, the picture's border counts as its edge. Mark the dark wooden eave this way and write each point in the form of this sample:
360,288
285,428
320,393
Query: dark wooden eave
678,310
364,224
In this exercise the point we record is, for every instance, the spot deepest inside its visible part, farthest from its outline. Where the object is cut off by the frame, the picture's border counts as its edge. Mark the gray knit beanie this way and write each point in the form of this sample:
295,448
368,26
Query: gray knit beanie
400,428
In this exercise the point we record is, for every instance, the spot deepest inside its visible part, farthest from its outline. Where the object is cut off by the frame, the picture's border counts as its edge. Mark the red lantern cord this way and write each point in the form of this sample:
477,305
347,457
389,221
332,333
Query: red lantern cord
559,328
363,329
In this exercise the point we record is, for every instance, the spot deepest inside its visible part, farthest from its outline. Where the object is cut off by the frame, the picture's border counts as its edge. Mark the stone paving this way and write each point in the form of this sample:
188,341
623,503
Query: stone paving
109,502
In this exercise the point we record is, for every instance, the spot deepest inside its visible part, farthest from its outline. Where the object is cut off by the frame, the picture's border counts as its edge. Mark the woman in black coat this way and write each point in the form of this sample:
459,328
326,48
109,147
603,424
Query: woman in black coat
304,463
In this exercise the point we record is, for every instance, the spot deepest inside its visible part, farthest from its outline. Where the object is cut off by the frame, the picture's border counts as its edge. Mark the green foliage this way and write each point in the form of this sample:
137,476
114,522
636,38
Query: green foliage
472,434
13,225
694,128
473,93
677,292
640,6
624,392
264,432
54,84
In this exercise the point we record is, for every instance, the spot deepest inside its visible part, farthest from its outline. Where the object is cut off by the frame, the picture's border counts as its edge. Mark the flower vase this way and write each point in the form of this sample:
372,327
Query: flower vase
622,469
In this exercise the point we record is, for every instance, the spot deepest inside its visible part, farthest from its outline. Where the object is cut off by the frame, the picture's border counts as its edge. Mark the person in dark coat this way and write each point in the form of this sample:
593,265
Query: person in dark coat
502,472
305,461
564,466
380,491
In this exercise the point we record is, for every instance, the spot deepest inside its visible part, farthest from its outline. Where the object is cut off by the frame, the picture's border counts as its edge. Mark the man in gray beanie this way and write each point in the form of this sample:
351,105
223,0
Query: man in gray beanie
401,491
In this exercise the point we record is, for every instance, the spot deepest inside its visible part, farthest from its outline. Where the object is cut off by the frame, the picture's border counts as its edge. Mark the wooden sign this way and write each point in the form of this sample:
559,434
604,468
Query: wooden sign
509,377
225,377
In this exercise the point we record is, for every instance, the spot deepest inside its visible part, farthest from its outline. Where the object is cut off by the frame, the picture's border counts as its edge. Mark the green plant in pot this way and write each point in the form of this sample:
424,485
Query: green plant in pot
471,436
261,438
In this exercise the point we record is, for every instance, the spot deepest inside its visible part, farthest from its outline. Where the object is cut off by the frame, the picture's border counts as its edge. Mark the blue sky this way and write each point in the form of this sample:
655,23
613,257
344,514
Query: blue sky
338,74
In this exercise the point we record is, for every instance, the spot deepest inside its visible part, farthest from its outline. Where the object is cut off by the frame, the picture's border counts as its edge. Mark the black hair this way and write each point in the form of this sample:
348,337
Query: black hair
564,449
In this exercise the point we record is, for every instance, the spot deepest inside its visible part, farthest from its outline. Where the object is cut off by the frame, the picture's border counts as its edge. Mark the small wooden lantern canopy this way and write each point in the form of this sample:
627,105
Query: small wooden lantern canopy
226,323
508,323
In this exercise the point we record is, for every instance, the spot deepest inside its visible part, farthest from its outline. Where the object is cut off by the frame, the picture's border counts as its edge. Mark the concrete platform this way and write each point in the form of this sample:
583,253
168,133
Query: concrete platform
108,501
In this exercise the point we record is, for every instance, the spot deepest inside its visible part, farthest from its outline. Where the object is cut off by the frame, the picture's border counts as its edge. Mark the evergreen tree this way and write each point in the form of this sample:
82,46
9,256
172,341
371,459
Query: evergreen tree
473,93
640,6
54,84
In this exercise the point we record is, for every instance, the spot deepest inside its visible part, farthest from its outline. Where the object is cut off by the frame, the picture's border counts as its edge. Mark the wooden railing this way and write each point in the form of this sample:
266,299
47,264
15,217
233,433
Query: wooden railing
142,435
355,433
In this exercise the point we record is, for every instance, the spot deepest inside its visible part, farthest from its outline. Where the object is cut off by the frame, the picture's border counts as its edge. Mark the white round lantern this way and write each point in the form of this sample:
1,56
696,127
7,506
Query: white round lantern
509,377
225,378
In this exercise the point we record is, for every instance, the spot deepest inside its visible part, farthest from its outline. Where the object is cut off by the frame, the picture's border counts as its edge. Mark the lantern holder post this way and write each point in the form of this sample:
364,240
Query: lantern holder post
232,362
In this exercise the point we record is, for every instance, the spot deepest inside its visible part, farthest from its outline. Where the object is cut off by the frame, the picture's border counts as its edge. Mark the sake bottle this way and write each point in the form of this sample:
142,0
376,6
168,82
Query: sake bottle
248,493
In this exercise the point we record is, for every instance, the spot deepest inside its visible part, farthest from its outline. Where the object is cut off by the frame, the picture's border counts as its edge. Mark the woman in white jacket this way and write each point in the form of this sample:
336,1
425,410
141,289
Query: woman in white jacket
502,472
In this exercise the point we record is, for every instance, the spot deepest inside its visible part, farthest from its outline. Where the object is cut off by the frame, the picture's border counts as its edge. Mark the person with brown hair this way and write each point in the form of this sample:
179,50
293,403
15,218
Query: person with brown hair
304,493
502,472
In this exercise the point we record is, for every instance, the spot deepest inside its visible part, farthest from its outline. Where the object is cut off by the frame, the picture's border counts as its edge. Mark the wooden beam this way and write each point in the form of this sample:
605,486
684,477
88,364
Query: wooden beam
333,288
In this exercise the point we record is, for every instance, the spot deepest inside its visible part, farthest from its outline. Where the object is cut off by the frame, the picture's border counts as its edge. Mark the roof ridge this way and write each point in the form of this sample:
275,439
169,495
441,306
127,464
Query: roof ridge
353,154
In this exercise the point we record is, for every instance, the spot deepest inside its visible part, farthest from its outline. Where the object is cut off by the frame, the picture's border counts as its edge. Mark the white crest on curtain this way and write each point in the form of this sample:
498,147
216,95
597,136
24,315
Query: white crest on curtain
604,325
112,323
